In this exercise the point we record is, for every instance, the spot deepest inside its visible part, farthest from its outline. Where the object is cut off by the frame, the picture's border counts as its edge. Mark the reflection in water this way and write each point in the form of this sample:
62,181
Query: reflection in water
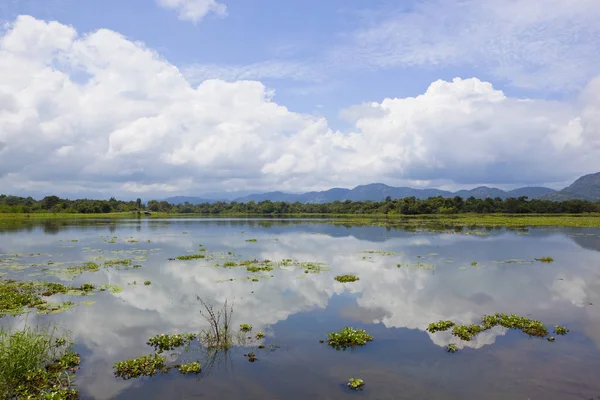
297,309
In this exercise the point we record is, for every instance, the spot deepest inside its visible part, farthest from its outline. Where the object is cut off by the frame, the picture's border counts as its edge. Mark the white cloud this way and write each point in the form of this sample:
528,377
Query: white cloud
135,124
194,10
535,44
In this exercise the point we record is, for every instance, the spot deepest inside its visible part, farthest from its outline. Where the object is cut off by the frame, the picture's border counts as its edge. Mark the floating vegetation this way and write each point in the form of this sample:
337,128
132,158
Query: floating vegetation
190,257
260,335
440,326
251,240
54,308
451,348
474,263
418,265
348,337
229,264
37,363
142,366
560,330
528,326
251,357
190,368
346,278
111,288
545,259
147,283
513,261
72,272
356,383
245,327
123,262
380,252
170,342
256,268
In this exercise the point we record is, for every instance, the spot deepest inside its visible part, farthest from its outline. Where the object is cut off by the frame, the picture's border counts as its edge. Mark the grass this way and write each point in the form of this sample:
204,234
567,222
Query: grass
348,337
36,363
346,278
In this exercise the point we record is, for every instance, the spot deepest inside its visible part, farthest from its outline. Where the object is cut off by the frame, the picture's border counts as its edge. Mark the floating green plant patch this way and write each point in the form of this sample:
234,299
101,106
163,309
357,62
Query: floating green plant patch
170,342
245,327
260,335
111,288
356,383
257,268
545,259
348,337
55,308
229,264
110,263
474,263
380,252
560,330
72,272
451,348
440,326
147,283
346,278
190,368
251,240
190,257
142,366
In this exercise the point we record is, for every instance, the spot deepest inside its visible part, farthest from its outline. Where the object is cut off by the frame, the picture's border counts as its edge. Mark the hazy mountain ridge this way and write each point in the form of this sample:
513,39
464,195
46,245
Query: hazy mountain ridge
586,187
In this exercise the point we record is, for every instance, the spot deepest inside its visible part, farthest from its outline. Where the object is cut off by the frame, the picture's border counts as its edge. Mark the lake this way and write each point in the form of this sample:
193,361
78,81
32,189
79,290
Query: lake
450,274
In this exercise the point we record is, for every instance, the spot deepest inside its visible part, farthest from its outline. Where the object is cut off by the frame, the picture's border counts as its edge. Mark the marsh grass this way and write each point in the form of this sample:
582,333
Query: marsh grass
36,363
219,334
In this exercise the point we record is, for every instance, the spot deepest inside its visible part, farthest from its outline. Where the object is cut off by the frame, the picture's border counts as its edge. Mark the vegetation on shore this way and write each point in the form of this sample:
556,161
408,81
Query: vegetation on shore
37,363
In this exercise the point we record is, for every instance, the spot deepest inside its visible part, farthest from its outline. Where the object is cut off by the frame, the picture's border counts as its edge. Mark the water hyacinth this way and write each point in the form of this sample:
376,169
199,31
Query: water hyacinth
348,337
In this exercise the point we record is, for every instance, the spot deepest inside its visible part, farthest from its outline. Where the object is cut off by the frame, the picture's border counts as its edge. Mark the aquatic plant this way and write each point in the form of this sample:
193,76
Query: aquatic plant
355,383
440,326
229,264
219,335
170,342
37,363
348,337
256,268
346,278
380,252
190,257
451,348
124,262
251,240
190,368
142,366
260,335
111,288
147,283
245,327
560,330
545,259
466,332
474,263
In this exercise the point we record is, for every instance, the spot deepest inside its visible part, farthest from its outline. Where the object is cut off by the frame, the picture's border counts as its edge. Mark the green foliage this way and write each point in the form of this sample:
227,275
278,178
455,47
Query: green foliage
170,342
348,337
346,278
355,383
245,327
257,268
451,348
147,283
109,263
190,257
142,366
36,363
466,332
545,259
260,335
440,326
190,368
251,240
229,264
560,330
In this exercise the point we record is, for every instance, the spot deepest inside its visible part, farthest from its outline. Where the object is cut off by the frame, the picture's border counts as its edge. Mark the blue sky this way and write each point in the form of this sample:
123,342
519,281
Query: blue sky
331,64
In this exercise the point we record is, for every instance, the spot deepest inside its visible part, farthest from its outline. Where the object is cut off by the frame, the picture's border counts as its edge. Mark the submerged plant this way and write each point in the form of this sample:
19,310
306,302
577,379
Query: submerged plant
190,368
346,278
355,383
142,366
170,342
348,337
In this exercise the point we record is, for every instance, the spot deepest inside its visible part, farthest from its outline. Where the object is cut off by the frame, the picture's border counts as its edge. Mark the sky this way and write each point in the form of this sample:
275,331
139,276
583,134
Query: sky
156,98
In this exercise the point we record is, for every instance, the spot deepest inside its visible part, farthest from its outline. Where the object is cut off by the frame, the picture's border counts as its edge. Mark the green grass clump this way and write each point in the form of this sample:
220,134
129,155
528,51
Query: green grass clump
36,363
348,337
545,259
142,366
190,257
440,326
190,368
346,278
170,342
245,327
355,384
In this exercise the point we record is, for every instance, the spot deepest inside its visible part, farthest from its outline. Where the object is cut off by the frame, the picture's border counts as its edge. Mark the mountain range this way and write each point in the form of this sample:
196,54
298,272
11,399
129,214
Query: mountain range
586,187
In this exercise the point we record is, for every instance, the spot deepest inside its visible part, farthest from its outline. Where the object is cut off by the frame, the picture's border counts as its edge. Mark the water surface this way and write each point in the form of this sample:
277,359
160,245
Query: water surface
436,280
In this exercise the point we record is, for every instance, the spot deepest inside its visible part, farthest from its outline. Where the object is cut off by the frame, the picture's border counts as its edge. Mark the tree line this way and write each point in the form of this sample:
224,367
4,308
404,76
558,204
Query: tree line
406,206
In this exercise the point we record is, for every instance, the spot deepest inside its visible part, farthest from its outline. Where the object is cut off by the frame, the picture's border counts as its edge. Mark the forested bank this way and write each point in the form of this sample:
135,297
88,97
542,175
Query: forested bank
406,206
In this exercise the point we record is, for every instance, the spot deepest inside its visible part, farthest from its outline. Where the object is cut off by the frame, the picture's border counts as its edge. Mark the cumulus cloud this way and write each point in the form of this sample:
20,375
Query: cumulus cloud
194,10
98,113
534,44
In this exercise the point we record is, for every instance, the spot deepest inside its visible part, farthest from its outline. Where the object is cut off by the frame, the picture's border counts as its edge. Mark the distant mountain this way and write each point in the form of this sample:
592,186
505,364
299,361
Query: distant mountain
585,188
191,200
379,191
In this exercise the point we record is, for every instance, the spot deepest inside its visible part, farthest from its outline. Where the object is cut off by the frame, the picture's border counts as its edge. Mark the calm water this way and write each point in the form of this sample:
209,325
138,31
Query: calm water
296,310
